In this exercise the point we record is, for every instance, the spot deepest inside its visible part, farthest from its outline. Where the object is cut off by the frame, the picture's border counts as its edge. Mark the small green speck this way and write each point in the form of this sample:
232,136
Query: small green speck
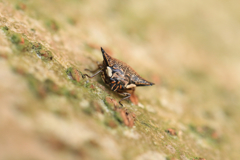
5,28
15,39
118,117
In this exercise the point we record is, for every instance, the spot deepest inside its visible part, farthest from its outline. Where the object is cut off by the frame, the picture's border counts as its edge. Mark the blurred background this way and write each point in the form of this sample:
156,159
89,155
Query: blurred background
189,49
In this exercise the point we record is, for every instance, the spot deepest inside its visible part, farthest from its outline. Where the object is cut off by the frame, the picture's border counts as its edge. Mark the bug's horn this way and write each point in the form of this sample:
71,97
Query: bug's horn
142,82
106,57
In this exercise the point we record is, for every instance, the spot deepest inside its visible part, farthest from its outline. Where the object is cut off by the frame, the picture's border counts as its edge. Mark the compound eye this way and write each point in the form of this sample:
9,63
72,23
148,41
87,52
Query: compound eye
109,72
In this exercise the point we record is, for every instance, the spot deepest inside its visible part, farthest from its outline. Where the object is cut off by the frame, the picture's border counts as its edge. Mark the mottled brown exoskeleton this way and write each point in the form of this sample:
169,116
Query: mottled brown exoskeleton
119,76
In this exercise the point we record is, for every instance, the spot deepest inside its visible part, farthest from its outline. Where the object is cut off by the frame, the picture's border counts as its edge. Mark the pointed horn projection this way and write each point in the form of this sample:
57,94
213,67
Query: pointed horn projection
143,82
139,81
106,57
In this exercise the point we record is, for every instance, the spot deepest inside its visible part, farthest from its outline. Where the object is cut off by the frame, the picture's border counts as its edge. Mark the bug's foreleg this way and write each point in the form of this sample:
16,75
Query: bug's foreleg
127,95
90,70
84,75
100,66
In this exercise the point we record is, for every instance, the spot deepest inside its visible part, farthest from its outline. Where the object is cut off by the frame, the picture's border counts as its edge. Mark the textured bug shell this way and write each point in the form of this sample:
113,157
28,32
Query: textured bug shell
134,77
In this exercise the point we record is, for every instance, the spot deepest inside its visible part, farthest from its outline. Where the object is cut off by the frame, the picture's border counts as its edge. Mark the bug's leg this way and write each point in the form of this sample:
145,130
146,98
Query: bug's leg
90,70
84,75
99,67
124,94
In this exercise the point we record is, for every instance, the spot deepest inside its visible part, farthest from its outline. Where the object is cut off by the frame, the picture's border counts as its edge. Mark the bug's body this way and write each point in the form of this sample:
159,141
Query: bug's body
119,76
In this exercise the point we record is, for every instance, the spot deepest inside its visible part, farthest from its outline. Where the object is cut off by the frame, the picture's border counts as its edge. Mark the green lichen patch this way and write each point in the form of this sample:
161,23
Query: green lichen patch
74,74
88,110
22,45
45,55
20,42
118,117
52,25
42,52
5,28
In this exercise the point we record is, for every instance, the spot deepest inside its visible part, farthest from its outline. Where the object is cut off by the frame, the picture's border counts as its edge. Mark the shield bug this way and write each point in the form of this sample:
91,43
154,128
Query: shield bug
119,76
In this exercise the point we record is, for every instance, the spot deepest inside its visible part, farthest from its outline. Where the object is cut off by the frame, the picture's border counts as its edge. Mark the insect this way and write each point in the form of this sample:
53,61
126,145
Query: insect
119,76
